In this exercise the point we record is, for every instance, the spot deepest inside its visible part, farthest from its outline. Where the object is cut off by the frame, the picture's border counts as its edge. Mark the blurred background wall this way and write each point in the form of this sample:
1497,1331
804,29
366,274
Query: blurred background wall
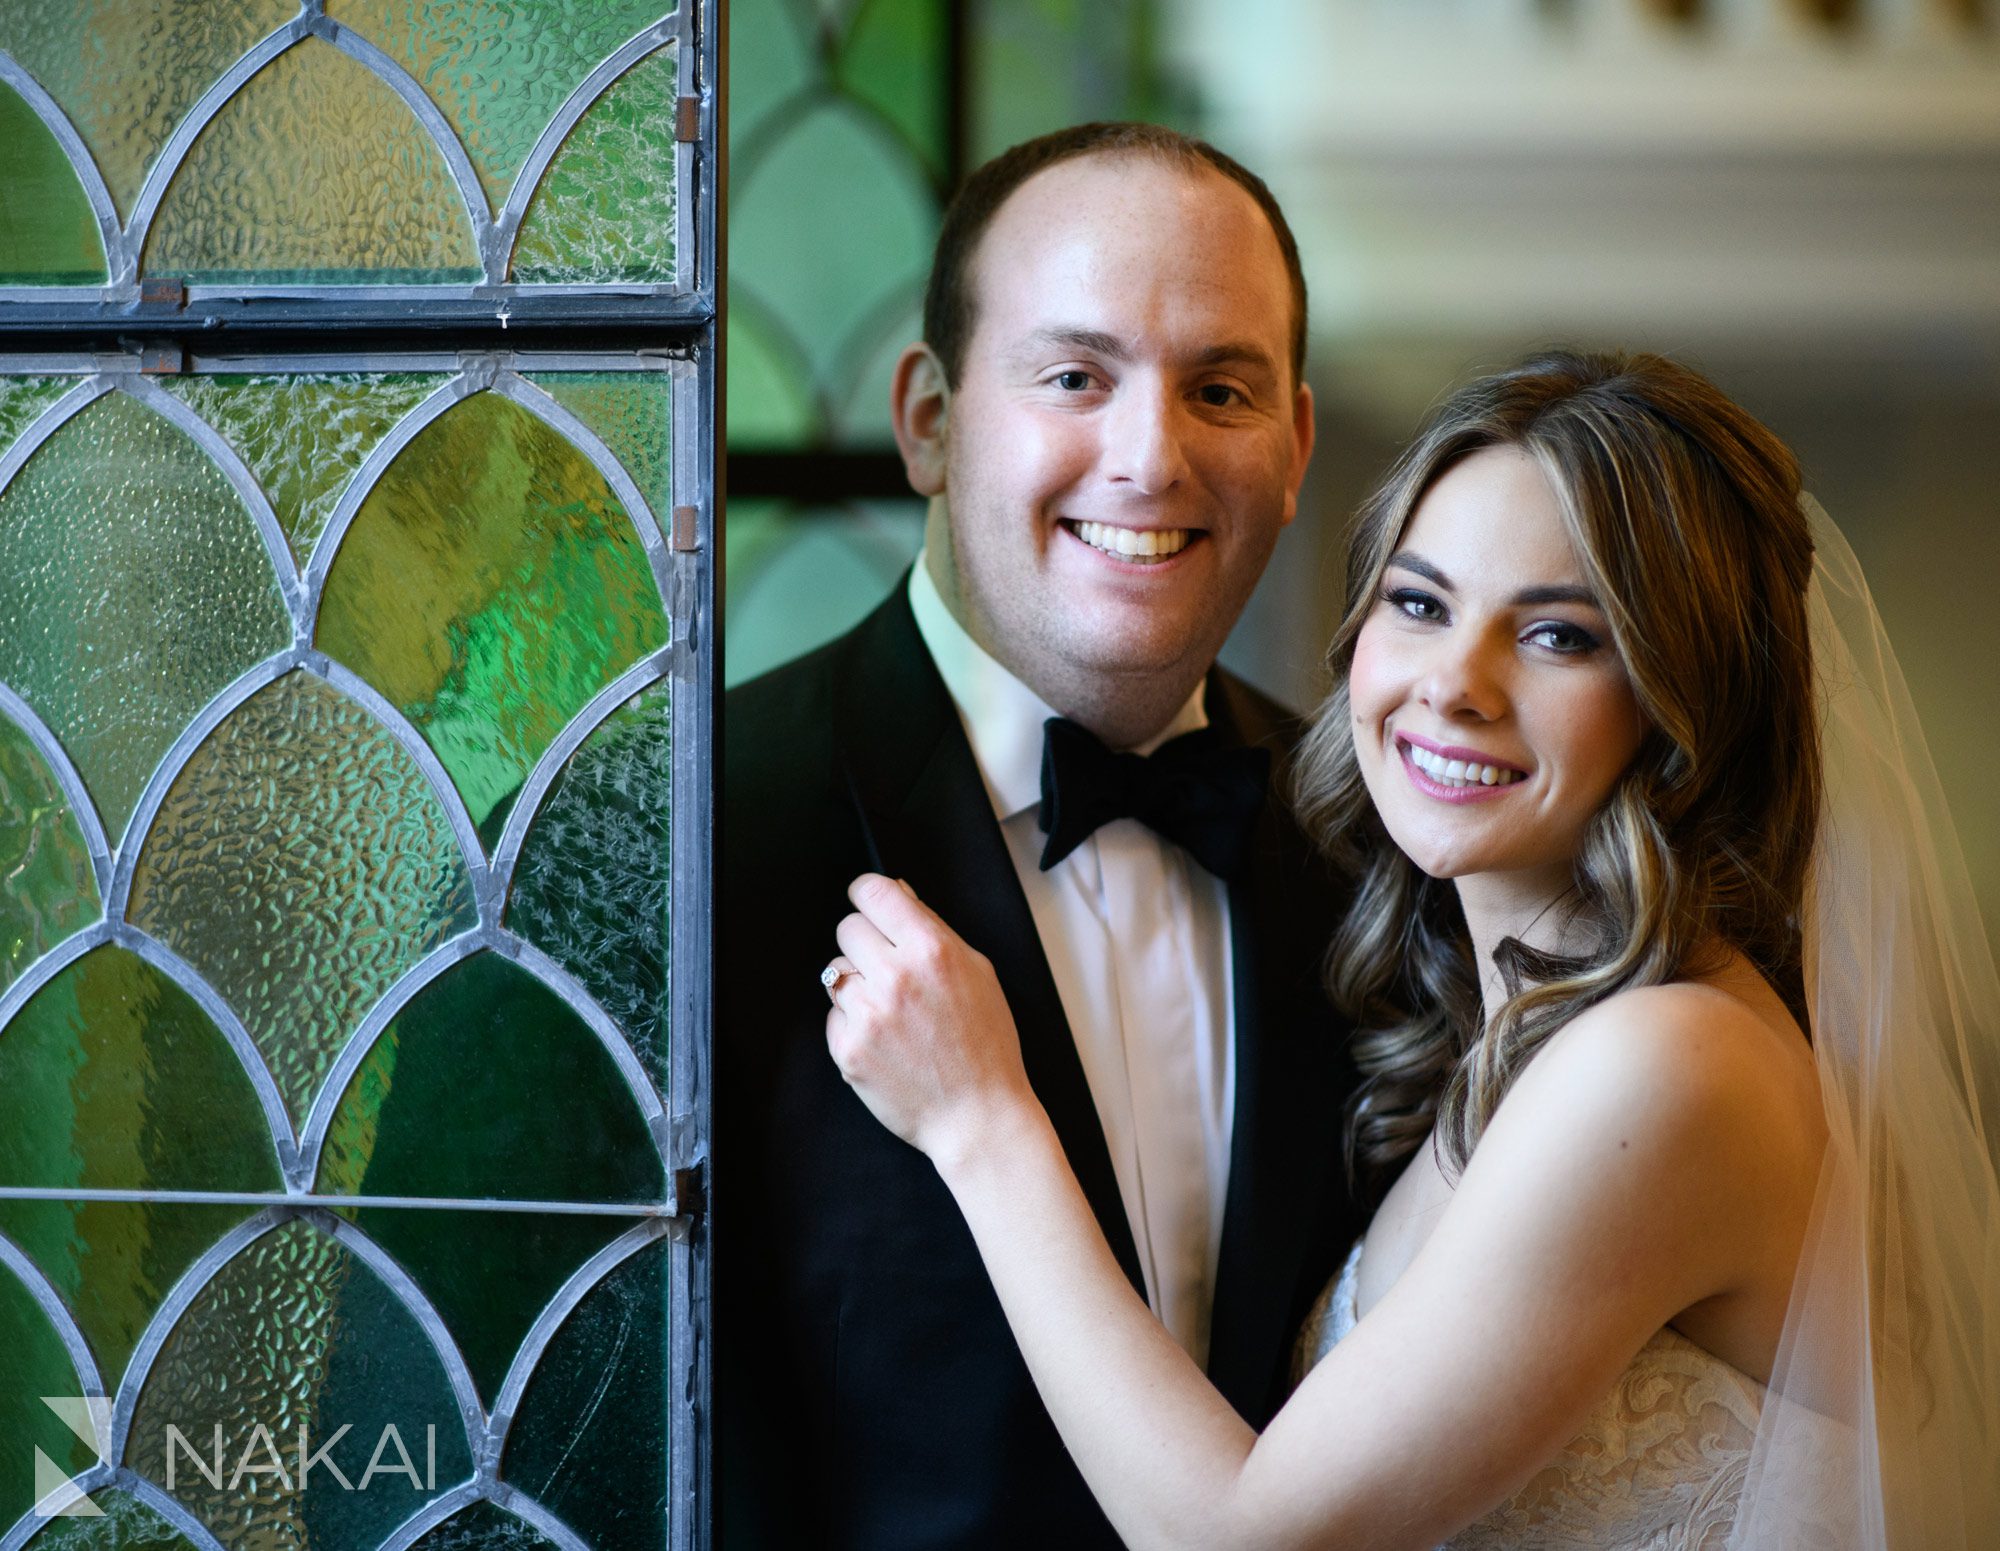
1801,197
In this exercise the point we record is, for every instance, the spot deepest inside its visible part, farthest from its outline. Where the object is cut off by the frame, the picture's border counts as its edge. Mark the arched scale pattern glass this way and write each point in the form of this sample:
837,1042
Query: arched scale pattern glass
134,585
488,1086
316,172
48,232
127,1525
22,400
605,208
297,1335
632,413
112,1077
304,436
589,1442
498,70
591,885
32,1364
115,1262
483,1527
47,889
301,863
126,72
490,585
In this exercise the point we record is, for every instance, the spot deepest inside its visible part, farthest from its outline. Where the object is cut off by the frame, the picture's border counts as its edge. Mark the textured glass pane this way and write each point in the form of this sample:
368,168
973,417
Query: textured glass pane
487,1086
590,888
48,233
133,586
47,890
604,209
22,399
32,1364
590,1439
483,1527
114,1262
127,1525
833,223
303,436
127,71
297,1335
497,68
894,60
490,585
112,1077
770,383
301,863
315,172
632,413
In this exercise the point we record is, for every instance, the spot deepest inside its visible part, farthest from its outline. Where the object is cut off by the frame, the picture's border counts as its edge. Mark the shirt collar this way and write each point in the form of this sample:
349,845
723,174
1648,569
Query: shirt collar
1003,717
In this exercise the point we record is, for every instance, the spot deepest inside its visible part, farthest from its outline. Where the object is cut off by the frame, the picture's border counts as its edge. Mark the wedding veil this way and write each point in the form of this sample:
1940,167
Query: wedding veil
1881,1430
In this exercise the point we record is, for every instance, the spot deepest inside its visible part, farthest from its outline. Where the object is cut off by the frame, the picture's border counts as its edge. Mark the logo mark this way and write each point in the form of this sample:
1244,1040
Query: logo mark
89,1417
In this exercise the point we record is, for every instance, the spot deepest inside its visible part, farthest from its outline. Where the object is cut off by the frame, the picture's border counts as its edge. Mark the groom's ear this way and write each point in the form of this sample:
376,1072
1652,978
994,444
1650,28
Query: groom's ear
920,404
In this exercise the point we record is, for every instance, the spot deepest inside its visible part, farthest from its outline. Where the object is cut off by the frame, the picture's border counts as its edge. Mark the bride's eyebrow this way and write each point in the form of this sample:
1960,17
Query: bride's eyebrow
1410,560
1526,598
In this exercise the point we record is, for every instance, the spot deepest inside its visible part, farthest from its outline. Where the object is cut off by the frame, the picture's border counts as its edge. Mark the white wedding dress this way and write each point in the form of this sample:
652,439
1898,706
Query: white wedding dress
1659,1466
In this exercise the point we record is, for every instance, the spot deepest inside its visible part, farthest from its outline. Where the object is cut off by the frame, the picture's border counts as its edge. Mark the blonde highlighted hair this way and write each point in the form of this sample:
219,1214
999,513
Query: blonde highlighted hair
1683,512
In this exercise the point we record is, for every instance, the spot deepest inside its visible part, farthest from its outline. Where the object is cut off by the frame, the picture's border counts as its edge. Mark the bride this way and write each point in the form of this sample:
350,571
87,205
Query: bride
1678,1029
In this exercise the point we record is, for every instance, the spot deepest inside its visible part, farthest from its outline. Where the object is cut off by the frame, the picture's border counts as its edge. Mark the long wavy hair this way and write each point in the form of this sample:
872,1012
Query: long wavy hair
1683,512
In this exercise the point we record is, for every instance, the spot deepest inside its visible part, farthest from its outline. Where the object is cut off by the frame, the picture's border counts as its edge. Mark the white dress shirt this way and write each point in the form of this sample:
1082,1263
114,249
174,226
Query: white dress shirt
1137,936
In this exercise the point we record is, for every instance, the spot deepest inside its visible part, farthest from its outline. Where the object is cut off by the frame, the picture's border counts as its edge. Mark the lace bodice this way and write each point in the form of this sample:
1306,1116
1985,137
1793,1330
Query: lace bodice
1658,1467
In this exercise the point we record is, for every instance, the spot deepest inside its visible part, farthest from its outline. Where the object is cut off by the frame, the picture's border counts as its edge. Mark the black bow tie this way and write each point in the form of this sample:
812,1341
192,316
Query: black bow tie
1194,790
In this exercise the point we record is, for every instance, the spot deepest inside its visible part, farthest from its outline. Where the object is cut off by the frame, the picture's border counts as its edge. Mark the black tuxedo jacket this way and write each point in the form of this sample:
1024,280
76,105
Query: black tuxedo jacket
868,1391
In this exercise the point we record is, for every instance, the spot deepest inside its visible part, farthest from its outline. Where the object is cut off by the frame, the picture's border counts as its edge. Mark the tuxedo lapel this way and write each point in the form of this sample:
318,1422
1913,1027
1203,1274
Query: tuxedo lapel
1287,1088
927,818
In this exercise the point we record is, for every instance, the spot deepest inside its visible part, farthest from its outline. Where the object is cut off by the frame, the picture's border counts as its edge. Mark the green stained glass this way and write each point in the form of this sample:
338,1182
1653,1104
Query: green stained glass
112,1077
861,417
47,890
127,71
604,210
127,1525
32,1364
498,70
854,186
22,399
591,886
48,232
890,61
304,436
488,1086
483,1527
301,863
296,1335
632,413
589,1441
114,1262
491,584
133,586
316,172
770,60
770,385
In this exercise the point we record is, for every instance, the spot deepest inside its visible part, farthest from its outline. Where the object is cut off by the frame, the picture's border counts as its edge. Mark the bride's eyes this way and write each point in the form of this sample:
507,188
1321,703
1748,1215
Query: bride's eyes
1563,638
1415,604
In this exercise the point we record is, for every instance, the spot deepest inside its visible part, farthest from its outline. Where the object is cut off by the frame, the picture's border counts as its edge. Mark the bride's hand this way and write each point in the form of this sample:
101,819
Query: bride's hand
919,1027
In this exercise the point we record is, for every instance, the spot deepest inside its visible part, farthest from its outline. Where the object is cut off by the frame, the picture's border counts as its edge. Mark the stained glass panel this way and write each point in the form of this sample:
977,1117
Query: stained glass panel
113,1077
114,1262
133,586
301,863
304,436
483,1527
297,1336
48,232
127,1525
50,891
588,1442
491,585
127,71
316,172
632,413
32,1364
604,210
591,885
499,71
22,399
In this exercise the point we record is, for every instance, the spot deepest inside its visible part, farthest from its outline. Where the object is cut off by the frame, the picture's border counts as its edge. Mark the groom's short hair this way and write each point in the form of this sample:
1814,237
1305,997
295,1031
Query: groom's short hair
949,300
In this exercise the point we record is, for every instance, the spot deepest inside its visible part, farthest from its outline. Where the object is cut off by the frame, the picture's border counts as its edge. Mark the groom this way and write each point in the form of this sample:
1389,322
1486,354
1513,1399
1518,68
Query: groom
1108,419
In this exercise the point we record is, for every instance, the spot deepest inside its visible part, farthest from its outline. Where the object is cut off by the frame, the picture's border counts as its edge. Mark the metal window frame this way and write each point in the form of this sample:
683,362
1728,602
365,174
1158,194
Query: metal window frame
99,333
